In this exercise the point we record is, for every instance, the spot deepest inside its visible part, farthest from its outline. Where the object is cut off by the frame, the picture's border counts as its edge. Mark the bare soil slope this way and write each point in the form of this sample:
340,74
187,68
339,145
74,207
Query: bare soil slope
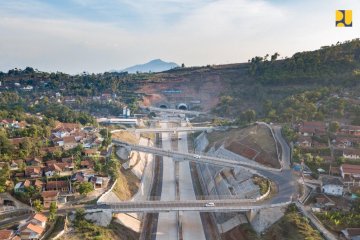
255,142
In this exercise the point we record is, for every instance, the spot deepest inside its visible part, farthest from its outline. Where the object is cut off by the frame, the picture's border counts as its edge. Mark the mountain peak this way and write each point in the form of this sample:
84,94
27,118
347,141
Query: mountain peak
155,65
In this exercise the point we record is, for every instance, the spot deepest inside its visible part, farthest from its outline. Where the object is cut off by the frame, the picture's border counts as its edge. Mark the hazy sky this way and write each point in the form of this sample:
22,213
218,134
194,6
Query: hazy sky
99,35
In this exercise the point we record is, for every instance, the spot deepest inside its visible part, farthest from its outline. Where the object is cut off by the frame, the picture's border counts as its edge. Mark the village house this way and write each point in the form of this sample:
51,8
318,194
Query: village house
69,164
21,186
69,143
33,162
97,181
90,152
8,123
312,128
324,202
46,150
350,234
344,142
304,141
39,219
62,186
33,228
52,169
16,164
351,153
86,164
350,130
49,197
66,127
349,171
8,235
332,186
33,172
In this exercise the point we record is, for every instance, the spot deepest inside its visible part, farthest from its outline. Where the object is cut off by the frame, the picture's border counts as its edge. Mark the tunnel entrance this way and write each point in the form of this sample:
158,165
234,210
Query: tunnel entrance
182,106
163,106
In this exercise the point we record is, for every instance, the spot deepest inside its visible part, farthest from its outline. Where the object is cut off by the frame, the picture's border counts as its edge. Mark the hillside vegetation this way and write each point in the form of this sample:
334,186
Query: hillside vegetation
308,85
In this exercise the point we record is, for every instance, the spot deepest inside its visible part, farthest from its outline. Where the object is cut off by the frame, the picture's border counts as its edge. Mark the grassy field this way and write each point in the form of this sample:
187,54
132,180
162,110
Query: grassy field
292,226
114,231
126,137
127,185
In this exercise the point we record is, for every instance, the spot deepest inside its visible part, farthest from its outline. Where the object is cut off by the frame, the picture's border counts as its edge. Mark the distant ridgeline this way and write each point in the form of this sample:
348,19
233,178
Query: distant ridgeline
330,64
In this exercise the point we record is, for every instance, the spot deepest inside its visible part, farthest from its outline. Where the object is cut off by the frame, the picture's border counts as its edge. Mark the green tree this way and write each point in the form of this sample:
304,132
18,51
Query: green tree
85,188
4,176
249,115
79,216
112,168
275,56
52,211
38,206
5,144
334,126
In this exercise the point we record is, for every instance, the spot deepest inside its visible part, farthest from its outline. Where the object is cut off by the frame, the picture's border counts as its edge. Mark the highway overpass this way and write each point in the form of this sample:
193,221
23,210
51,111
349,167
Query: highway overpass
177,111
226,205
179,156
159,130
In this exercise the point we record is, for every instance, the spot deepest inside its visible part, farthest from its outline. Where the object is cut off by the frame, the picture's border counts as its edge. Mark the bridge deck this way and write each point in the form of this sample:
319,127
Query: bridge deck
196,158
226,205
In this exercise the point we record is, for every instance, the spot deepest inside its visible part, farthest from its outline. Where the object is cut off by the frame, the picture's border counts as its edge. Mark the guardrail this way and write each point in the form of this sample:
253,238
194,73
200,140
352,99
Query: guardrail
188,205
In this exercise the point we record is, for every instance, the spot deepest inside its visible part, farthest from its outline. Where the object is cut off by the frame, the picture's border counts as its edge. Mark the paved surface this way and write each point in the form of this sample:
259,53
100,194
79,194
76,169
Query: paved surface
167,222
176,129
226,205
191,222
285,153
196,157
284,179
169,110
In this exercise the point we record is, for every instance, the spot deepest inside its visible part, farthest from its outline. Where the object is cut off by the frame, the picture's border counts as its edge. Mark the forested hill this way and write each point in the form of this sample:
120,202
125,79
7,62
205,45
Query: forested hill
265,84
336,64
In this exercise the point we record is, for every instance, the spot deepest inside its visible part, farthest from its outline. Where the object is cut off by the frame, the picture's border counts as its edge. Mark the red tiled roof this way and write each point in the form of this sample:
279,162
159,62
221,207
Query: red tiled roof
35,228
351,151
350,168
90,151
49,194
350,128
57,184
40,217
69,139
85,163
353,231
38,183
31,170
5,234
53,167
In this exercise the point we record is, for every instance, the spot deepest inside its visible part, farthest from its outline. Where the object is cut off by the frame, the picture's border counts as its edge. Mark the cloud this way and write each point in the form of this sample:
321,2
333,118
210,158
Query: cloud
194,32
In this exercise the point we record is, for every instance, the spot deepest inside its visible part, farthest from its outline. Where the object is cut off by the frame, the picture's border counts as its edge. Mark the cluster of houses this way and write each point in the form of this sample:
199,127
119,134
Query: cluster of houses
346,140
33,228
70,135
346,174
58,191
48,176
339,185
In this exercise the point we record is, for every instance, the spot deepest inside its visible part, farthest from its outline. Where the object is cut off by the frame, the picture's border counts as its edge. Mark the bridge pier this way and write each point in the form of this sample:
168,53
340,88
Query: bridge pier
251,214
261,219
